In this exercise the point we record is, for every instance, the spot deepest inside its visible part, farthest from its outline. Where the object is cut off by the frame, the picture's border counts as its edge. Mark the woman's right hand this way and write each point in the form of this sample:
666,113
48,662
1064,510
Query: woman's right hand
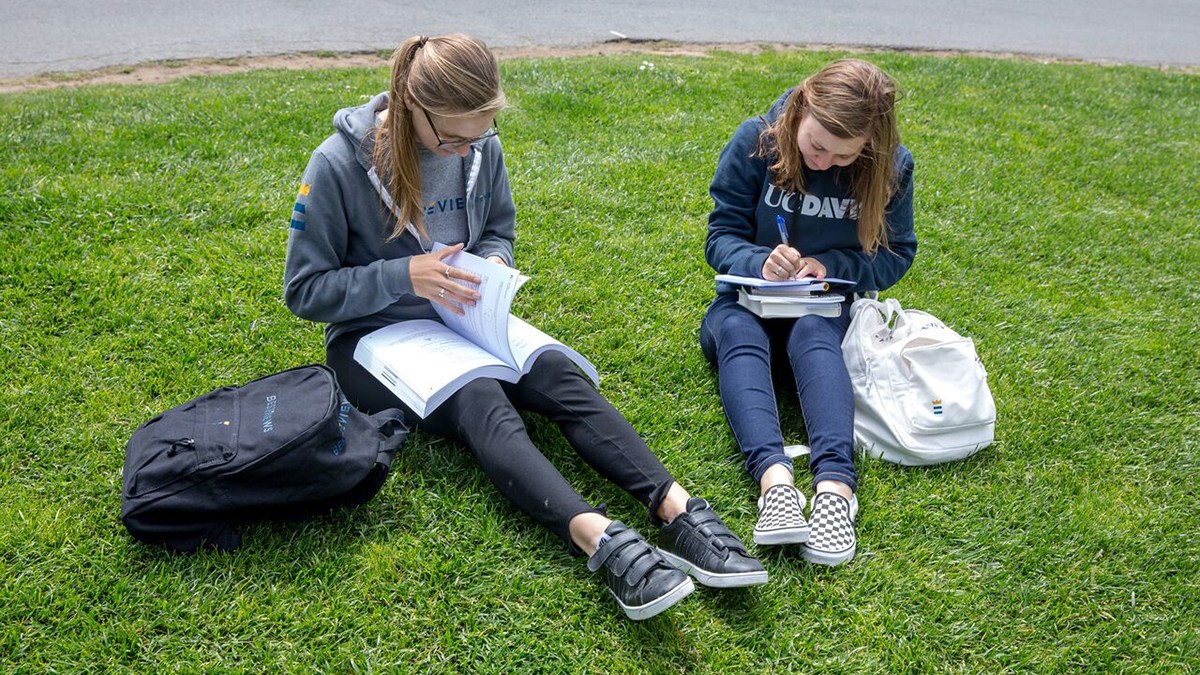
782,264
437,281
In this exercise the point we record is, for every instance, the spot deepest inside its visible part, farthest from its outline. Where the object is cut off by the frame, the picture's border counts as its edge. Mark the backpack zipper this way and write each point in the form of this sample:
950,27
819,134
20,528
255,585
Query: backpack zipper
184,443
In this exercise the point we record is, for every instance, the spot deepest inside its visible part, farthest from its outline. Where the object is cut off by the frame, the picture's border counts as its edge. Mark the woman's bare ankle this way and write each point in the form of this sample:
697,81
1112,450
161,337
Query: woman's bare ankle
673,504
836,487
776,474
586,528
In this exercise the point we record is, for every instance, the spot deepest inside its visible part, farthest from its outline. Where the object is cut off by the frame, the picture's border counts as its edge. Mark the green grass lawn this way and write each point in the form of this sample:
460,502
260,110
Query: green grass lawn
142,235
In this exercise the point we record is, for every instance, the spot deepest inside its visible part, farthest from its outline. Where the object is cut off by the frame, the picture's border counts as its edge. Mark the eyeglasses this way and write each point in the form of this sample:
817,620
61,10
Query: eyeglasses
453,145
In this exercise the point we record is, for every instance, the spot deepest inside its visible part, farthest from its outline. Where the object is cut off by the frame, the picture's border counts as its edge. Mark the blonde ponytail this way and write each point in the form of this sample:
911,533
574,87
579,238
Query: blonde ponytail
452,76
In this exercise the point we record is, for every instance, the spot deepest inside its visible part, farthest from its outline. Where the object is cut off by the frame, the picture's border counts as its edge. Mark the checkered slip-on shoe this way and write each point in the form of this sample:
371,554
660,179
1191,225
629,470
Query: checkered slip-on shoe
832,540
781,517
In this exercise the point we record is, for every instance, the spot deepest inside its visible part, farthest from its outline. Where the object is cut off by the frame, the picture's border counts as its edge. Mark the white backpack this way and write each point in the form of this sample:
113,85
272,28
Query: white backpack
920,391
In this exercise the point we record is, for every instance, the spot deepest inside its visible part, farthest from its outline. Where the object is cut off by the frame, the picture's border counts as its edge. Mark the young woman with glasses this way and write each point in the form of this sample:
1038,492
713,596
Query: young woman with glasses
421,163
819,187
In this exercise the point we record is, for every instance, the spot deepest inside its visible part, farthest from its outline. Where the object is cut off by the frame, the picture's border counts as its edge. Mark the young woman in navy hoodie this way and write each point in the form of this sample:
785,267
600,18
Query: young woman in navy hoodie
422,163
826,167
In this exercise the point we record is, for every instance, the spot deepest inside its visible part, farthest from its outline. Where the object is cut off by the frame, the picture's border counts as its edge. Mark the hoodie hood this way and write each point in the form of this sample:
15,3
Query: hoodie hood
778,106
358,124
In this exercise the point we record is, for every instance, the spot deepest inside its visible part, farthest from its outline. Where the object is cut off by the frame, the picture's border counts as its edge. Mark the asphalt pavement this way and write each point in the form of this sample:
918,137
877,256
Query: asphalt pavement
80,35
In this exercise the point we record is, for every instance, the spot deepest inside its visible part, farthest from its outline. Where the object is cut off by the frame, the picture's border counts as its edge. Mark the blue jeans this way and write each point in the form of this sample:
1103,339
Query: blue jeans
741,346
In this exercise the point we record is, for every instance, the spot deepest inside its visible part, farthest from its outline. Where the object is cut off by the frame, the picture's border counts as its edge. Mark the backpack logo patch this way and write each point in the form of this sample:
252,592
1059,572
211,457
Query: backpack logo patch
268,420
343,420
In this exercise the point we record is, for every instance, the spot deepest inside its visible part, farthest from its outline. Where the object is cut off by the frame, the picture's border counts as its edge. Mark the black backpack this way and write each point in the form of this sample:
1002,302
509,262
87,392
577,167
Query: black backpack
284,446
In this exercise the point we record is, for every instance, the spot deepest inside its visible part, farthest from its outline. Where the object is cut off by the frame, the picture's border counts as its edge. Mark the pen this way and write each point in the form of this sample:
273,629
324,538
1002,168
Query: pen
782,229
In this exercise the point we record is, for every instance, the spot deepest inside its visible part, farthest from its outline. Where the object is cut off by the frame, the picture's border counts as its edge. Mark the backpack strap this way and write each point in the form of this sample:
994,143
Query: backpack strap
390,424
393,432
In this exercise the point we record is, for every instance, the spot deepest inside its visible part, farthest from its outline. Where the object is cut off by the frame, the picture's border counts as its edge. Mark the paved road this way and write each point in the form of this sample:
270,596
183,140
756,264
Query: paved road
71,35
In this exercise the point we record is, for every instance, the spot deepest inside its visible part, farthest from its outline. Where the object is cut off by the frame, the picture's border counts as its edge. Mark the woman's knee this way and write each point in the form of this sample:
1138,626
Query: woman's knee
478,410
551,368
479,394
814,331
738,328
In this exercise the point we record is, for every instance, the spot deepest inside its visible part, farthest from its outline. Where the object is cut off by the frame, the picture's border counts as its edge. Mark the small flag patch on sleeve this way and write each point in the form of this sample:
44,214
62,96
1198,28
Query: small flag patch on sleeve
297,217
298,220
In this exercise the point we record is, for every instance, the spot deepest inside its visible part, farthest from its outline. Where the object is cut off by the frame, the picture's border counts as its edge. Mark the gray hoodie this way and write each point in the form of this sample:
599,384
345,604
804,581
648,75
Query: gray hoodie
340,268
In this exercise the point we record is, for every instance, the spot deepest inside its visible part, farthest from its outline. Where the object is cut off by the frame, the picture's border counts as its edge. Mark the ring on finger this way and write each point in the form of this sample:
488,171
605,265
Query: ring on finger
779,270
441,292
447,272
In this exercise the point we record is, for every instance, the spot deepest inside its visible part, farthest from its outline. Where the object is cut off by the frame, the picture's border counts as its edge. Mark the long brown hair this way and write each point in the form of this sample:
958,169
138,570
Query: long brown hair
451,75
851,99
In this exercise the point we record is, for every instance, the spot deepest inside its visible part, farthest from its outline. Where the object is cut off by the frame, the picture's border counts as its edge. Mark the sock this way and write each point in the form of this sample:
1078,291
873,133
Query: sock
604,536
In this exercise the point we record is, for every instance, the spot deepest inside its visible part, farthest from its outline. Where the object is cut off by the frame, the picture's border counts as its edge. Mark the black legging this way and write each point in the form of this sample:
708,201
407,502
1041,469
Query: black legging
483,415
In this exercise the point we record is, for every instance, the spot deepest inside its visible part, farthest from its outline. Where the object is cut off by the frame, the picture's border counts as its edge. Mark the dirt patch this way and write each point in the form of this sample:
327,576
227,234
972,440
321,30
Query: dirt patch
165,71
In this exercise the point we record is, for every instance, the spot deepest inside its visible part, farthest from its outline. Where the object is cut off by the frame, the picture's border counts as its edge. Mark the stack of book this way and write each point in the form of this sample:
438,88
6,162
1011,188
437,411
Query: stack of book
789,299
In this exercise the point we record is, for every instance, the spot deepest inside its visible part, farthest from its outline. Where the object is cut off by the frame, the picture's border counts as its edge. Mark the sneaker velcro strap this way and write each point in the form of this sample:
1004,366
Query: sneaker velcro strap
713,535
705,517
641,567
611,548
620,562
712,527
631,558
730,542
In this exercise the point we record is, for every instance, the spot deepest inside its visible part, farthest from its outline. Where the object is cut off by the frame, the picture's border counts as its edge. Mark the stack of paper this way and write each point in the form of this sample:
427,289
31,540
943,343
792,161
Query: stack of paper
788,299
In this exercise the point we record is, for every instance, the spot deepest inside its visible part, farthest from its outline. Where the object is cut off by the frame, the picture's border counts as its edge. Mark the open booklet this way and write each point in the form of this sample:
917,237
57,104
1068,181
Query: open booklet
423,362
789,299
788,287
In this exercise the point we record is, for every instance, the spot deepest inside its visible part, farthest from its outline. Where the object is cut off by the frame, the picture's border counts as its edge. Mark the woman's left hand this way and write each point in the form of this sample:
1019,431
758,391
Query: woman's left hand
810,267
786,263
435,280
498,260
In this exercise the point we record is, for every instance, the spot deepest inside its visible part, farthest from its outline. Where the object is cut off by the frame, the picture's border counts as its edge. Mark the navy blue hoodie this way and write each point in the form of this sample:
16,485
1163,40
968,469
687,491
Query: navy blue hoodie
742,228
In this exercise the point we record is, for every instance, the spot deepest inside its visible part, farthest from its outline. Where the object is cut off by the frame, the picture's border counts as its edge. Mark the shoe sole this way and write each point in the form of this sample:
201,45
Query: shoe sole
660,604
716,579
830,559
788,536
